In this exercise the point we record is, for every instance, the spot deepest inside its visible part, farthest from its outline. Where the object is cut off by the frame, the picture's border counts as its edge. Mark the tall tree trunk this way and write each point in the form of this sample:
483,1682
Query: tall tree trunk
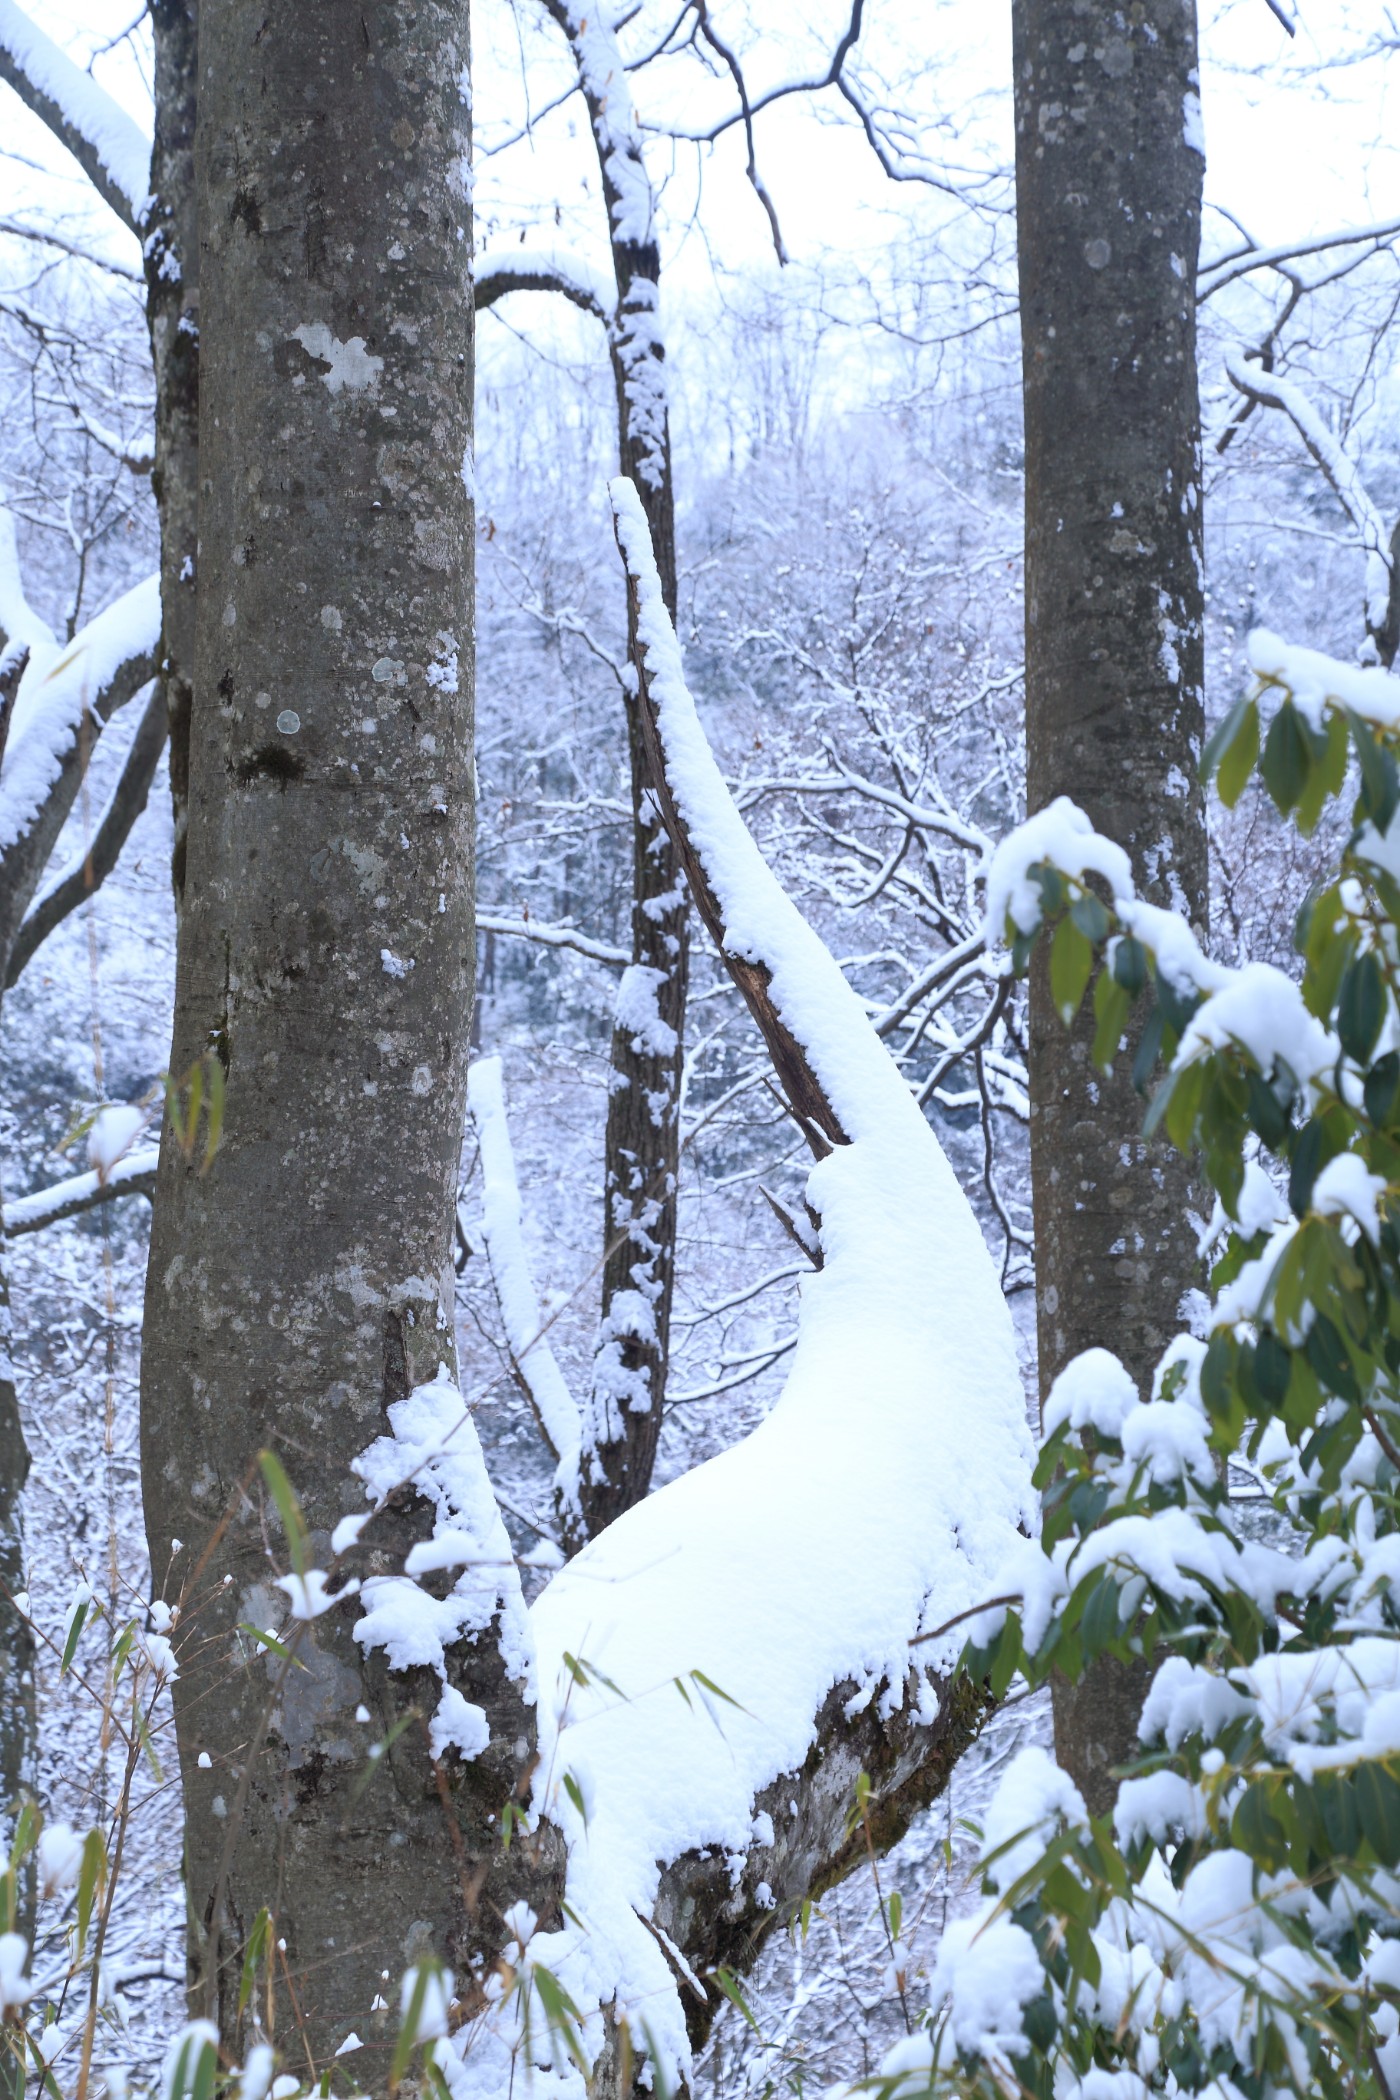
304,1283
641,1153
1108,187
172,313
641,1161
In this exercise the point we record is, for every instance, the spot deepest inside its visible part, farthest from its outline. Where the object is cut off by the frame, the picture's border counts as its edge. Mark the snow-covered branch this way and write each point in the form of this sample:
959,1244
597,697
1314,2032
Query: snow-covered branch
553,937
722,1679
112,150
64,698
1272,390
74,885
103,667
134,1175
542,270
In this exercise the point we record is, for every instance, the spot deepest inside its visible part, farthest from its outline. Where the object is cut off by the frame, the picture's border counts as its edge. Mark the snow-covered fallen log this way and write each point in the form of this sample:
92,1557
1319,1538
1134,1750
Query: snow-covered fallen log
718,1666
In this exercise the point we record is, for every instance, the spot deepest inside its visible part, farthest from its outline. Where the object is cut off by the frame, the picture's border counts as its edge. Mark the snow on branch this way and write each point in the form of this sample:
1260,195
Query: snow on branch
105,664
132,1175
839,1080
719,1664
553,937
634,327
112,150
532,1358
73,885
542,270
603,78
1271,390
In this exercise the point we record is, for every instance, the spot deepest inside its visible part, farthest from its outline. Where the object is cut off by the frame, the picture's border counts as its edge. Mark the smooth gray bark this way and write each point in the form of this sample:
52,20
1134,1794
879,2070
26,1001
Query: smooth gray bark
305,1282
1108,186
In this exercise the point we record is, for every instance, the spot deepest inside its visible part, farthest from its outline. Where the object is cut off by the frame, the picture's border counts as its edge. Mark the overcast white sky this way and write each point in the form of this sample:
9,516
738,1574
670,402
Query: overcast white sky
1296,142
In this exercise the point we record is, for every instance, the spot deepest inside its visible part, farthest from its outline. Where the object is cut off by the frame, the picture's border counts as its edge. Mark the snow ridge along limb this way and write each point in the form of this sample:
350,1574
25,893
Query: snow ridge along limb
109,146
104,666
877,1499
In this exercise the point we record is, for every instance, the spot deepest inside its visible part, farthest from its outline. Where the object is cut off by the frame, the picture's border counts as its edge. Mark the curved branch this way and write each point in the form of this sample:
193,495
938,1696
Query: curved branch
908,1762
1213,276
110,149
1343,477
736,73
541,270
83,880
553,937
133,1176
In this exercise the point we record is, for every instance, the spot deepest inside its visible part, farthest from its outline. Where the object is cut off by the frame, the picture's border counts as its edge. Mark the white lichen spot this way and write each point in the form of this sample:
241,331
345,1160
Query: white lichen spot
330,618
230,614
348,365
394,965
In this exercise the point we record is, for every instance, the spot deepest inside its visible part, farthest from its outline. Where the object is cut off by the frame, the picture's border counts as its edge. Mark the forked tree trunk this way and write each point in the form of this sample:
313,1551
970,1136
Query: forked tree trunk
304,1283
1108,186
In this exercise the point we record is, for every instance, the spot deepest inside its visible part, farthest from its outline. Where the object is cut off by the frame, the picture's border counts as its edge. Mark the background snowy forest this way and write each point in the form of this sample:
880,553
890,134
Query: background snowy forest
847,454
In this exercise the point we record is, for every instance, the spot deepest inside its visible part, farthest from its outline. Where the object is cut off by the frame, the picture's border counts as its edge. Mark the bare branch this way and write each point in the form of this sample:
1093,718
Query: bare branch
1214,276
17,231
736,72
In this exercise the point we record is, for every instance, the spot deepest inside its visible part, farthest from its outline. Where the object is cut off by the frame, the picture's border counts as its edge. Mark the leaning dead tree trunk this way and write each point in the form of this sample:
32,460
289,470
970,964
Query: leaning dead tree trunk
302,1287
1108,184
